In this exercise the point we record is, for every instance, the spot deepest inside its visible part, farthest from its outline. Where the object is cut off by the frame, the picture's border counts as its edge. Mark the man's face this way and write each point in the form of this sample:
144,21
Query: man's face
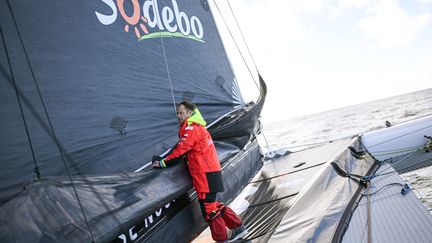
183,114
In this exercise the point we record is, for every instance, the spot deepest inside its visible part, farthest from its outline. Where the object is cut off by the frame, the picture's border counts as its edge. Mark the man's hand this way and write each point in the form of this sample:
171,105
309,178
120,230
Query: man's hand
156,164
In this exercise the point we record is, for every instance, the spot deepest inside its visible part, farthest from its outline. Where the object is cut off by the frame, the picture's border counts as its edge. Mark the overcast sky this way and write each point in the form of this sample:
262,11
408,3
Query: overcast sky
317,55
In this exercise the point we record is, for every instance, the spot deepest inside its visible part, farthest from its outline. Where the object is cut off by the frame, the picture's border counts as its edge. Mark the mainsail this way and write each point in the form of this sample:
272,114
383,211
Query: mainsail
88,92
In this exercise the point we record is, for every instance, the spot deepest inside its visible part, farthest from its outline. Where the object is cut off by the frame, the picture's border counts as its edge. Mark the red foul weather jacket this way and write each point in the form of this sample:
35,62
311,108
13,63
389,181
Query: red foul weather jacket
203,163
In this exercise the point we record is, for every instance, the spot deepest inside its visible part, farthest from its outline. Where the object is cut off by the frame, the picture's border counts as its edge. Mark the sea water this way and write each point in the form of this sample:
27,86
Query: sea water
311,130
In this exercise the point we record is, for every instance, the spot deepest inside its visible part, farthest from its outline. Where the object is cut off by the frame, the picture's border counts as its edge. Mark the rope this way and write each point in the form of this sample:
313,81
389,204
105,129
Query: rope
241,33
50,123
396,151
400,136
306,145
397,162
288,173
368,178
411,166
369,216
267,143
168,73
319,143
235,42
36,167
381,188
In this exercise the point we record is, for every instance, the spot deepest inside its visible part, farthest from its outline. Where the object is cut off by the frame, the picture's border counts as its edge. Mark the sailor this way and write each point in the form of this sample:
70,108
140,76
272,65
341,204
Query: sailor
204,167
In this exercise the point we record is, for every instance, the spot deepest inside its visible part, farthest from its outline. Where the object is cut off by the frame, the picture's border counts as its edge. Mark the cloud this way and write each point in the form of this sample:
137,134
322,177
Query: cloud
296,6
390,26
424,1
304,5
347,4
342,6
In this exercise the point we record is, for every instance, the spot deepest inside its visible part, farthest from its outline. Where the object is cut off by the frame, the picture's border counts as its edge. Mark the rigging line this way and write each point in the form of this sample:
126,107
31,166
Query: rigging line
387,173
408,167
235,42
168,73
400,136
273,200
241,33
306,145
49,121
398,193
381,188
396,151
322,142
287,173
397,162
36,169
369,214
267,143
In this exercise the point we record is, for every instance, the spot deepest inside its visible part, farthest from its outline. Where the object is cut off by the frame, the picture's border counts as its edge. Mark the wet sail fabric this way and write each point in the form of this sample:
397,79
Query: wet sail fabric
48,211
92,84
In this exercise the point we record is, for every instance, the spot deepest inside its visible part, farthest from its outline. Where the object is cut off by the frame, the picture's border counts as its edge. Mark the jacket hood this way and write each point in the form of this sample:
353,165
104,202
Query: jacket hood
197,118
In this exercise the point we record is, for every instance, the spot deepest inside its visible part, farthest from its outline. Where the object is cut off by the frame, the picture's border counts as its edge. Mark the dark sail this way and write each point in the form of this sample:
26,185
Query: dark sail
107,94
88,92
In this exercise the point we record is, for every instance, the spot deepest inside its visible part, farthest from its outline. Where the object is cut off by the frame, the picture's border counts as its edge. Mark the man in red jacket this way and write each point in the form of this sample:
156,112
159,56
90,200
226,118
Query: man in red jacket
204,167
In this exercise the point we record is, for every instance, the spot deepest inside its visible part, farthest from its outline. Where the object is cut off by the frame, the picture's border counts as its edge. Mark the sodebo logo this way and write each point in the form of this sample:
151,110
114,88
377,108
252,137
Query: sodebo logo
167,22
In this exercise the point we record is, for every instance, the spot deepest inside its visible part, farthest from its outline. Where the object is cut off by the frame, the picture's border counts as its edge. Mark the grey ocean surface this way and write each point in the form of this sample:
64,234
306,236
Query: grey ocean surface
311,130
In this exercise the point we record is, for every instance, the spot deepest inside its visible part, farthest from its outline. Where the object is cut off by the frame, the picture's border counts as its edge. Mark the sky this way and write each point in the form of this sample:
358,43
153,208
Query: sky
318,55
